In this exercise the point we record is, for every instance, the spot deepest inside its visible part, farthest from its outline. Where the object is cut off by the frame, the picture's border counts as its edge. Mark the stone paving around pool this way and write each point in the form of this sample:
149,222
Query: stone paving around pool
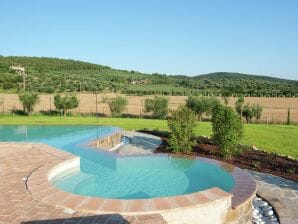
282,194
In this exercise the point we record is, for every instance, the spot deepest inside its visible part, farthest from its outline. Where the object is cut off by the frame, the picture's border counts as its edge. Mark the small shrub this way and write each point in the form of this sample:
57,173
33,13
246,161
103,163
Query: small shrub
227,130
66,103
158,106
256,164
181,124
28,100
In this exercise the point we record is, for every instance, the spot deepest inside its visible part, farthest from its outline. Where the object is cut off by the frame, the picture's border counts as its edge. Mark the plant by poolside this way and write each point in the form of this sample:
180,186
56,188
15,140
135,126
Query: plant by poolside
181,124
227,130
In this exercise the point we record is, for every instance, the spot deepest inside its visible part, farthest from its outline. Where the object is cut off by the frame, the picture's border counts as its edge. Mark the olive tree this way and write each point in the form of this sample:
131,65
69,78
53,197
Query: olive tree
201,105
249,112
239,106
181,123
158,106
227,130
28,100
65,103
116,105
257,111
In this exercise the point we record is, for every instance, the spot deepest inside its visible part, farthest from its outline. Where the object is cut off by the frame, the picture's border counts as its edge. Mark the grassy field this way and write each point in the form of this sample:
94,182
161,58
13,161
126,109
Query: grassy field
280,139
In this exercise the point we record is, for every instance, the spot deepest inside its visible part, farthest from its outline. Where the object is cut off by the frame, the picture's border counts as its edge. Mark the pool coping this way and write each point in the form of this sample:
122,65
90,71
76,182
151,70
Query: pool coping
40,188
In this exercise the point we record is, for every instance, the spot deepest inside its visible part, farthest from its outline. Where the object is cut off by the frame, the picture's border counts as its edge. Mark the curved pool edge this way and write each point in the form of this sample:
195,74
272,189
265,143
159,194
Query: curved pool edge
40,187
234,207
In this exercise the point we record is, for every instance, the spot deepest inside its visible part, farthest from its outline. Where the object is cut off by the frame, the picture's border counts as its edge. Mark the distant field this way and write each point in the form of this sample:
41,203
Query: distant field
275,109
281,139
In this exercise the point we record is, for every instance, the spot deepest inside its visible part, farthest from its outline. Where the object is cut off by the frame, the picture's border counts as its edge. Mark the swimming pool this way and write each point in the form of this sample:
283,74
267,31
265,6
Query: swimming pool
106,175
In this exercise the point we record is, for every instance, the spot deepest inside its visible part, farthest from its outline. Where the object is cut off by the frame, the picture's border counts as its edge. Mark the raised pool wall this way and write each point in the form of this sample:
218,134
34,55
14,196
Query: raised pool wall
107,142
209,206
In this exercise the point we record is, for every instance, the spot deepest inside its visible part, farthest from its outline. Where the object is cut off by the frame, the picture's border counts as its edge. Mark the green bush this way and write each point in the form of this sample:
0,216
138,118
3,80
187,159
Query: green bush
116,105
66,103
227,130
158,106
181,124
28,100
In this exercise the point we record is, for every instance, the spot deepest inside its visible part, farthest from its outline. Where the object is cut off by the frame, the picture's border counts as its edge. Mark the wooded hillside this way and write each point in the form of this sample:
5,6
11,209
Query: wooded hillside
50,75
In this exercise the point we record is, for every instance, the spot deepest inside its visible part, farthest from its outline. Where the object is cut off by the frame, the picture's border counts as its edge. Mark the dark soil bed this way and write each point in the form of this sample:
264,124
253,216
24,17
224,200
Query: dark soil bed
248,159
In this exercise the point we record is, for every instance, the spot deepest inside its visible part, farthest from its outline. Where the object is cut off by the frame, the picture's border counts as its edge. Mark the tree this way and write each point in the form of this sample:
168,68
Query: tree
257,111
158,106
181,124
227,130
289,117
201,105
239,106
226,94
116,105
28,100
248,113
65,103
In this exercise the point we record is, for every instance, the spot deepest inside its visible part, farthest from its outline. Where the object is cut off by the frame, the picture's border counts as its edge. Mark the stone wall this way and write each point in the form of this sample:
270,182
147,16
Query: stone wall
242,214
212,212
107,142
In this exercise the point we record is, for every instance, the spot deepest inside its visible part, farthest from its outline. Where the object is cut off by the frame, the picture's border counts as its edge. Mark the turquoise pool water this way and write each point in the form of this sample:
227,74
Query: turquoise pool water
105,175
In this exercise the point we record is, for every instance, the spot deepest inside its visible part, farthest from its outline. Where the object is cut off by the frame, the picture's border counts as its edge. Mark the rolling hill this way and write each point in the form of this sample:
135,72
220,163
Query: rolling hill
49,75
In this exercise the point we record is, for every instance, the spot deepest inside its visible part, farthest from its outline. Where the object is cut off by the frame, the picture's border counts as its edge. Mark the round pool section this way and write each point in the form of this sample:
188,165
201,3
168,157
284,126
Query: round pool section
142,177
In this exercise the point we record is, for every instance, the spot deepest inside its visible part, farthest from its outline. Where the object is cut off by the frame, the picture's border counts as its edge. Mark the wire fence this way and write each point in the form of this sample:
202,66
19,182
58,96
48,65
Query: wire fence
275,110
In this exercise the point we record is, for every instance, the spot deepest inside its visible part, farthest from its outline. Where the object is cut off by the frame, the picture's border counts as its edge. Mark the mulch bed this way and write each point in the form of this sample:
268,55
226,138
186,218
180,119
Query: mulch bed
249,158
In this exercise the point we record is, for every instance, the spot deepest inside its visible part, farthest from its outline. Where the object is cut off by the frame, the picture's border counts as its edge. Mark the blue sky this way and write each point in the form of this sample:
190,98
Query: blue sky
187,37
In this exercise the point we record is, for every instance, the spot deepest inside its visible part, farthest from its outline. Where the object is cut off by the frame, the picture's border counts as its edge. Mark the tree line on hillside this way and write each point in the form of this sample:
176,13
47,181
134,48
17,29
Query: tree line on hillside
52,75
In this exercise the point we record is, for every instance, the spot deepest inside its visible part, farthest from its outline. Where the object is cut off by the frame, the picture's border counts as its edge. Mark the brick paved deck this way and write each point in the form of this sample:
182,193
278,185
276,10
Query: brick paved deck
17,205
27,197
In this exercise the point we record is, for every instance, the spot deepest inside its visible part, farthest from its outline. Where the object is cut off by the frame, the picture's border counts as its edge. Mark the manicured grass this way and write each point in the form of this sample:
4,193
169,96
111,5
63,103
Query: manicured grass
281,139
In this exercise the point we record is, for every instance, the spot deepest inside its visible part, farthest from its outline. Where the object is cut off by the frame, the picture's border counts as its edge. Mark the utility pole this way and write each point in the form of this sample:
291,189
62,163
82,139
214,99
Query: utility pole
50,104
24,80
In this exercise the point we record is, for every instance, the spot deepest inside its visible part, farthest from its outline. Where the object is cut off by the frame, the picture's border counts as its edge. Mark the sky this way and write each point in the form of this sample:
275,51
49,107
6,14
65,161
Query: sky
188,37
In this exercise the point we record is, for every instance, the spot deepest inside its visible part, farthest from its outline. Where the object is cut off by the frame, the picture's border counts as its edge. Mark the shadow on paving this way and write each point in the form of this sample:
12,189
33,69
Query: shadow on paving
102,219
274,180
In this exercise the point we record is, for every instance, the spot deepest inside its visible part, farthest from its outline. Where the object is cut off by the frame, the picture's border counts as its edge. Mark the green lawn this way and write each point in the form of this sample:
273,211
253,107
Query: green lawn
281,139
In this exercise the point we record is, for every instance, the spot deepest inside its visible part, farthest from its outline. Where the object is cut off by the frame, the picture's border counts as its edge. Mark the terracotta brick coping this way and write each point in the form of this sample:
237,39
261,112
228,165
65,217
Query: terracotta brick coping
39,186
